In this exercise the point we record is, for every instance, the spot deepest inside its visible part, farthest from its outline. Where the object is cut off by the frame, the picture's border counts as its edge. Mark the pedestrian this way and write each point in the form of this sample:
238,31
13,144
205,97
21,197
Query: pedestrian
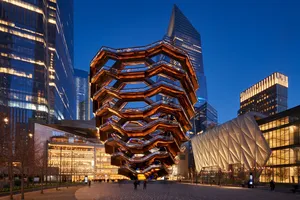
145,184
90,183
135,183
272,185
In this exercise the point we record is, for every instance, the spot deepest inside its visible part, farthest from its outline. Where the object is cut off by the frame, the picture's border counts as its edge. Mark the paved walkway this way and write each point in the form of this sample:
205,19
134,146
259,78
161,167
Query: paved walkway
109,191
49,194
106,191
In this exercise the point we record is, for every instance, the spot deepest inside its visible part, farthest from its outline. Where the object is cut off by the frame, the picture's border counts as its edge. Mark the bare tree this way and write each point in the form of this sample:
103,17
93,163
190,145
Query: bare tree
6,152
40,160
29,155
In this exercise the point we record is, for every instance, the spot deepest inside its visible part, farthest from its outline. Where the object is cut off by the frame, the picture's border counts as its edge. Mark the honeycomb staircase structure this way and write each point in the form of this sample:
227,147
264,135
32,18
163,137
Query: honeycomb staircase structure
143,101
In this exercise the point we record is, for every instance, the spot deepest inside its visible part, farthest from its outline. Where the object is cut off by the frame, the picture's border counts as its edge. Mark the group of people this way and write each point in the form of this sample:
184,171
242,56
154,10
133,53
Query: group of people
137,182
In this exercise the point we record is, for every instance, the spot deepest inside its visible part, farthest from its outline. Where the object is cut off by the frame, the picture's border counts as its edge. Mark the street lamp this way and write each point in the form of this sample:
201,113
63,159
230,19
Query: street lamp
30,135
10,163
6,120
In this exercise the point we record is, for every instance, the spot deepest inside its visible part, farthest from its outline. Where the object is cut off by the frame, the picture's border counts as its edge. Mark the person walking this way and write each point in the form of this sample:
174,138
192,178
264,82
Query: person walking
145,185
272,185
135,183
90,183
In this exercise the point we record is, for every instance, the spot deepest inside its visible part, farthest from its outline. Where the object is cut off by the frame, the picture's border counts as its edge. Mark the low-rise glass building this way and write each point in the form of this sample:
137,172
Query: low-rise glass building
75,156
281,131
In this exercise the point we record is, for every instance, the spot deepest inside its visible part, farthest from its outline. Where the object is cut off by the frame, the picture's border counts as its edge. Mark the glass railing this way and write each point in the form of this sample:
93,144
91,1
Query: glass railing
115,71
116,126
151,167
140,69
143,89
142,48
143,143
150,107
141,159
145,48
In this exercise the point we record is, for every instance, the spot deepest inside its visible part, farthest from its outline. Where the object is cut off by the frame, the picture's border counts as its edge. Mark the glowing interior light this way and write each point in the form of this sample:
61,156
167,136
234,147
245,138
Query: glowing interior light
14,72
52,21
275,78
23,35
25,5
38,62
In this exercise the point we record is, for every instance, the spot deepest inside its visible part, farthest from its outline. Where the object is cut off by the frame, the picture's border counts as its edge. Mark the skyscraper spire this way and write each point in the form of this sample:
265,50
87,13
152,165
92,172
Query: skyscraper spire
184,35
179,22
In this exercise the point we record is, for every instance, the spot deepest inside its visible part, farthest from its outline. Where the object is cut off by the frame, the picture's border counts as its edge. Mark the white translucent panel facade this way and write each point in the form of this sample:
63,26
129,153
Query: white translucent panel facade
238,141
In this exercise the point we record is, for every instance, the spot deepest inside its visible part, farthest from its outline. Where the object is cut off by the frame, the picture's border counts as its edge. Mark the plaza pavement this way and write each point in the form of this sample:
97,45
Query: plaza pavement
109,191
50,194
105,191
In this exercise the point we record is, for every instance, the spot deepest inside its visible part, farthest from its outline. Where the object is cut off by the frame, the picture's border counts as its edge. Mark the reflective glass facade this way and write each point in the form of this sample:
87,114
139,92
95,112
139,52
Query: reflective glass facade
76,161
268,96
74,156
23,68
60,44
36,61
82,95
282,132
206,117
183,35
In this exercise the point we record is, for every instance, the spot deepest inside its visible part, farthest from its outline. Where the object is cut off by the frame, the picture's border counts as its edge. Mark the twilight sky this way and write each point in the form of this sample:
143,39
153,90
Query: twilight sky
242,41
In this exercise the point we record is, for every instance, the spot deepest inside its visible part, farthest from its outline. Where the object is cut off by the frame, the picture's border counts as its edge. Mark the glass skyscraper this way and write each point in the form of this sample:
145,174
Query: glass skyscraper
36,62
82,94
269,96
60,55
183,34
206,118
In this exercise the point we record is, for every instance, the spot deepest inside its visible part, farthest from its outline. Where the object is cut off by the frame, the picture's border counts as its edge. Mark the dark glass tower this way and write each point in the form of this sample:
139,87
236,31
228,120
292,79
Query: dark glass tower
60,44
206,118
183,35
36,62
82,94
269,96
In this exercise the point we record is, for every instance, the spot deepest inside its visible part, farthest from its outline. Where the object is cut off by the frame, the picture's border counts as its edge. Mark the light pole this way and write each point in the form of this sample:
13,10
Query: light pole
10,171
6,120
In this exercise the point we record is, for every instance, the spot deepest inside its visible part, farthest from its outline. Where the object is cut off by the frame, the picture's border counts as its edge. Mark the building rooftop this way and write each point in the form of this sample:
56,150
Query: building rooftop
273,79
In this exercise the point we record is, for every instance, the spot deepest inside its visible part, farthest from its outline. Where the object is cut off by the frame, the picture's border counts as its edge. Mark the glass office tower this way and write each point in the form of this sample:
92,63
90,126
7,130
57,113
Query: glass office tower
183,35
82,94
60,46
206,118
269,96
36,62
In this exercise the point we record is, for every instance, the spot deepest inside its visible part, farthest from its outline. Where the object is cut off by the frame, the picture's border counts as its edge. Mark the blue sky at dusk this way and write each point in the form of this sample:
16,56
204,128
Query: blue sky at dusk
242,41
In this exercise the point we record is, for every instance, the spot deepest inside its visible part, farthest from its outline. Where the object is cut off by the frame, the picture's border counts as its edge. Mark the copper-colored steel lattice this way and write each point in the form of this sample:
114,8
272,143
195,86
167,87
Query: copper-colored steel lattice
143,140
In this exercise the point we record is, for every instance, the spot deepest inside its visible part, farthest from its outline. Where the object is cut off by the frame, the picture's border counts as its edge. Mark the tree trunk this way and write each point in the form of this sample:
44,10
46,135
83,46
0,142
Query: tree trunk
22,181
42,174
27,183
42,182
10,171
